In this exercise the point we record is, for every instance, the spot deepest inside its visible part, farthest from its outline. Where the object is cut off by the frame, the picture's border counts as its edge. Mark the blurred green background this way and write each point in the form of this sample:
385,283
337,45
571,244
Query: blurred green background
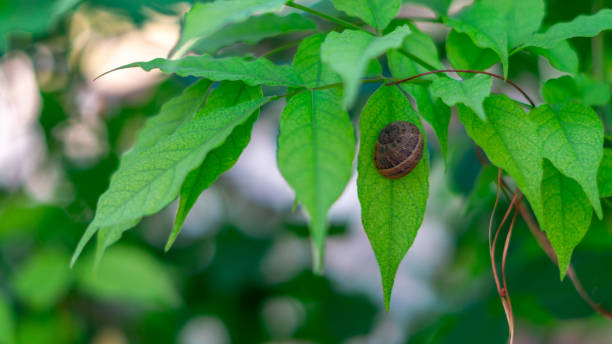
240,270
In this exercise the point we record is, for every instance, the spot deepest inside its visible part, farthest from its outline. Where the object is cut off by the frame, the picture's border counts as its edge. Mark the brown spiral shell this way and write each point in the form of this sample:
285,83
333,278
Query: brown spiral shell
398,150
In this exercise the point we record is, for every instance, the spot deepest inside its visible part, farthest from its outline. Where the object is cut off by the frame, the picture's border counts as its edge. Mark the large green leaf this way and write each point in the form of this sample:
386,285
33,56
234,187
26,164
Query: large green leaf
377,13
572,136
316,144
152,177
511,142
422,46
221,158
604,177
581,26
567,214
471,92
562,56
43,279
128,275
253,30
462,53
581,88
349,53
391,210
252,72
7,321
499,24
431,108
205,19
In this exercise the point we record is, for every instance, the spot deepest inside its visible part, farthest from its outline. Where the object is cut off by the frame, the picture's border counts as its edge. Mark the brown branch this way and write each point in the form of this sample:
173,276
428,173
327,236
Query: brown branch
467,71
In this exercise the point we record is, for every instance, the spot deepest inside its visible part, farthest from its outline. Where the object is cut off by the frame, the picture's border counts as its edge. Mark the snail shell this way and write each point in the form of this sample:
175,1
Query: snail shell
398,150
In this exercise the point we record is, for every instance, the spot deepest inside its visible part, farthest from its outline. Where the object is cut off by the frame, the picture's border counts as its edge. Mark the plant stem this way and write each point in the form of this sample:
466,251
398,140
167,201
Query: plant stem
467,71
326,16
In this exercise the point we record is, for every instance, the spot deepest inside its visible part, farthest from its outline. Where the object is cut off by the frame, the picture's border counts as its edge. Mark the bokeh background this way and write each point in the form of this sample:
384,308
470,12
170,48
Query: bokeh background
240,270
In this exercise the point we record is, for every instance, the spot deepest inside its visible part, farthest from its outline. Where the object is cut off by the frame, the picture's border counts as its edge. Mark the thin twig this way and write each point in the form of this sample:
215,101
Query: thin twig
468,71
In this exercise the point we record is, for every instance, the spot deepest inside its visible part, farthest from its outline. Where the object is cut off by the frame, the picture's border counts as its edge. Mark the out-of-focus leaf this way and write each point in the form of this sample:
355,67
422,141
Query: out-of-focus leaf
204,19
252,72
499,24
35,17
572,136
482,188
391,210
511,142
349,52
254,30
471,92
604,177
581,88
562,56
581,26
128,274
221,158
377,13
431,108
316,144
462,53
43,279
439,6
567,214
152,178
7,322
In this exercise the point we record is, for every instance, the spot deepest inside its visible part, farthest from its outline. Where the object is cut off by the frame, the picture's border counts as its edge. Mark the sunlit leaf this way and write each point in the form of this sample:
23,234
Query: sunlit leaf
377,13
205,19
254,30
221,158
391,210
252,72
567,214
571,136
499,24
510,141
153,176
471,92
439,6
462,53
580,88
349,52
581,26
562,56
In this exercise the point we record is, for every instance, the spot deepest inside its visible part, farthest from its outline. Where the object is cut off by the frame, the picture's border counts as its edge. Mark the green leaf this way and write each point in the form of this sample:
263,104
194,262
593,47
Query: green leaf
499,24
254,30
109,235
581,26
316,144
128,275
422,46
391,210
562,56
205,19
221,158
482,190
43,279
604,177
307,63
349,53
511,142
431,108
152,177
377,13
471,92
462,53
439,6
571,136
252,72
7,321
581,88
567,214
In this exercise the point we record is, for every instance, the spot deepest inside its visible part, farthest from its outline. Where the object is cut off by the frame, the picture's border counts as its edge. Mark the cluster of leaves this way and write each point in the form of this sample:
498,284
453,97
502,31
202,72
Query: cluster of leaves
554,153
